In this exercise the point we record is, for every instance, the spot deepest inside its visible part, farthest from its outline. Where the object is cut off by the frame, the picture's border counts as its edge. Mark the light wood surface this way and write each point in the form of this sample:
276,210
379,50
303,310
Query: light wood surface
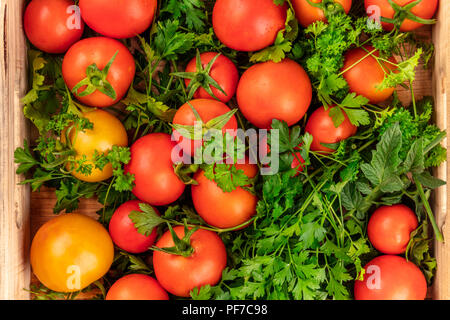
16,223
441,86
14,199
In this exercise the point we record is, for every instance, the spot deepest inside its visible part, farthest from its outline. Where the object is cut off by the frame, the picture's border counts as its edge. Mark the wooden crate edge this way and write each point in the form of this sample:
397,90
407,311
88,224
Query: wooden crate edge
441,85
14,199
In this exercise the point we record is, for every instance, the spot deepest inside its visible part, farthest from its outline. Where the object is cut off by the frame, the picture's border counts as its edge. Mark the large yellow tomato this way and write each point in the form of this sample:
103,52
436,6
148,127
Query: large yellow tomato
107,132
70,252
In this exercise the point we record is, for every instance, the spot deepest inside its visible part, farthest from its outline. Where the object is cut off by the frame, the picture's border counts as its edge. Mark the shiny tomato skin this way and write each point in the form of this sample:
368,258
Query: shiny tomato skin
390,227
179,275
99,51
107,131
425,10
307,14
364,77
390,277
119,19
151,164
123,232
136,287
248,25
66,245
46,25
320,125
271,90
224,209
223,71
207,109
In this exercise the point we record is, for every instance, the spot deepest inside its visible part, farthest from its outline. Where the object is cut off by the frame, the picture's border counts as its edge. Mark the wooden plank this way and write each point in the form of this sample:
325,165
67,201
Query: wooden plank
441,85
14,199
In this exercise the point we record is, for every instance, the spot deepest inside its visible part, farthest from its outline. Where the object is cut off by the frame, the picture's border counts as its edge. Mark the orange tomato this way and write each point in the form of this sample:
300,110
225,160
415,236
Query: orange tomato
70,252
307,14
107,132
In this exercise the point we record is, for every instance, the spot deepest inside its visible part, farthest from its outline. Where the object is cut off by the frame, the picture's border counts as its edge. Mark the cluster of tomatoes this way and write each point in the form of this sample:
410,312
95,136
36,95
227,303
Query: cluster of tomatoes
71,251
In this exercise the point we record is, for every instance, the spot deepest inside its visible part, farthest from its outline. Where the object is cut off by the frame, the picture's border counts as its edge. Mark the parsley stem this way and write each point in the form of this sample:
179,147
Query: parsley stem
426,204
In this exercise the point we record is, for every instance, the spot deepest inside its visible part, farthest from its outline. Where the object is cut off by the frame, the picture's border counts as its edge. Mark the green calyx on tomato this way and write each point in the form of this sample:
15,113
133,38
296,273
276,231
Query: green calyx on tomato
201,78
184,171
182,246
404,13
329,7
193,132
96,80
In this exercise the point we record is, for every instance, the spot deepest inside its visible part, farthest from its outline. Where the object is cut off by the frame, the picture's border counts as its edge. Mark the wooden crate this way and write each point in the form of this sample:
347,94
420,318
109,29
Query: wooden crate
22,212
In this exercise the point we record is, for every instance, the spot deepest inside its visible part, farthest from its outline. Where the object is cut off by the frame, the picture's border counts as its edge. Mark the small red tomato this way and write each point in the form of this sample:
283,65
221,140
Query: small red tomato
99,51
297,163
223,71
270,90
151,164
390,227
136,287
320,125
307,14
207,109
363,74
179,275
118,18
53,25
224,209
425,9
391,278
123,232
248,25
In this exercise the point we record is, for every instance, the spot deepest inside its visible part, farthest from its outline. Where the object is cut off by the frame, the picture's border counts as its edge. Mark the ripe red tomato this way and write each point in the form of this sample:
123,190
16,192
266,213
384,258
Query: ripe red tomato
52,25
123,232
70,252
207,109
390,227
296,164
307,14
271,90
320,125
248,25
391,277
425,10
151,163
224,209
363,77
223,71
136,287
178,274
99,51
118,18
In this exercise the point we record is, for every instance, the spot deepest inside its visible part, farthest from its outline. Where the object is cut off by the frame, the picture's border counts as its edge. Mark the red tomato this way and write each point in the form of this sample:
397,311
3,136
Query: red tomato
123,232
271,90
320,125
179,275
248,25
296,164
307,14
118,18
52,25
391,278
151,163
224,209
207,109
390,227
223,71
363,77
425,10
99,51
136,287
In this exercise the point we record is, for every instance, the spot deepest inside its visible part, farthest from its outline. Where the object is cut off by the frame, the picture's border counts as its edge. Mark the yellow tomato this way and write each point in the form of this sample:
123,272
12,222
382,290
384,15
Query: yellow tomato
107,132
70,252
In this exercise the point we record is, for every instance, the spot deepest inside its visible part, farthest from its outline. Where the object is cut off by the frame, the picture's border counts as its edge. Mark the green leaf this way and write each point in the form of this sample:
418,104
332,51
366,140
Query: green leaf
146,220
428,181
227,177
